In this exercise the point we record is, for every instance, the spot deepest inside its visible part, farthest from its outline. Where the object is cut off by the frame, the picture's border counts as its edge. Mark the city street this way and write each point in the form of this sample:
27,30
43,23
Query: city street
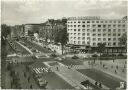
49,45
104,78
38,47
50,77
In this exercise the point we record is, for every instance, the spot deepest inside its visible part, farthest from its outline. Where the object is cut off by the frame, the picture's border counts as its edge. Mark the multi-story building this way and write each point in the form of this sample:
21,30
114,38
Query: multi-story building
51,27
30,29
17,31
94,30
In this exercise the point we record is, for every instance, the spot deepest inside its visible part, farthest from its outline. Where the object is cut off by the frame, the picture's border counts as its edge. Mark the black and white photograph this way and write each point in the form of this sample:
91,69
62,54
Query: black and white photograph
64,44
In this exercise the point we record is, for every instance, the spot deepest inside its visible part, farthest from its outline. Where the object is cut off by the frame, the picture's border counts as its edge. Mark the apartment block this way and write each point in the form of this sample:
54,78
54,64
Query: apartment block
93,30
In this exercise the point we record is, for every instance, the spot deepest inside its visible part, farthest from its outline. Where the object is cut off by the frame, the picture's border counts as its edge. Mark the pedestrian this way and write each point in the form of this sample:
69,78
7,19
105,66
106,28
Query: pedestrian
57,68
125,62
100,85
122,70
96,83
103,65
24,74
115,72
111,66
100,62
117,67
113,60
28,78
31,86
11,84
124,66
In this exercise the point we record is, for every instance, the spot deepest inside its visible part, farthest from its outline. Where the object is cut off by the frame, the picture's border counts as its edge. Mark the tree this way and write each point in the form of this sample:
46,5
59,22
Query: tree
123,40
62,37
101,48
5,31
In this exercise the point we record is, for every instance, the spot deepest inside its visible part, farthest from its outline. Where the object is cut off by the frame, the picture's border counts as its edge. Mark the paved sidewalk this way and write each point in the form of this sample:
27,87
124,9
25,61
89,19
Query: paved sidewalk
25,84
8,80
73,77
25,48
107,71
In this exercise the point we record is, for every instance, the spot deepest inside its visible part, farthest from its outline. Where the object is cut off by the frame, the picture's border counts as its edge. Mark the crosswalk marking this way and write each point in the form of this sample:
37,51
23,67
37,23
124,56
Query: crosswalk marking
54,68
77,66
40,70
26,55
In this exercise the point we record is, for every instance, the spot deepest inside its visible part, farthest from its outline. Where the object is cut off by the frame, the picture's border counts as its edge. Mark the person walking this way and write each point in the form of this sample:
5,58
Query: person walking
31,86
115,72
28,78
96,83
24,74
100,85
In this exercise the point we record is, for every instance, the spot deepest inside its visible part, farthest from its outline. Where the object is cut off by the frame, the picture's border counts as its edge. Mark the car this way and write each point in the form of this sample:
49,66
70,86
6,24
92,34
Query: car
75,57
40,56
58,58
42,82
53,55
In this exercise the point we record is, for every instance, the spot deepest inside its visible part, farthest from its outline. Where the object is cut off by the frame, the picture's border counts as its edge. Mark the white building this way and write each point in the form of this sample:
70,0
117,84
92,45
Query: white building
94,30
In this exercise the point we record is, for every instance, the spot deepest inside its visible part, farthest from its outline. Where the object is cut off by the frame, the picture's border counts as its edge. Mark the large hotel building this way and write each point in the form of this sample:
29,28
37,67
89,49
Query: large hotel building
94,30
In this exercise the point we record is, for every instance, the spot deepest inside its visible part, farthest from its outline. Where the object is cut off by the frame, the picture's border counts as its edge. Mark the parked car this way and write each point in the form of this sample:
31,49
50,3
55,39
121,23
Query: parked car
40,56
75,57
58,58
53,55
42,82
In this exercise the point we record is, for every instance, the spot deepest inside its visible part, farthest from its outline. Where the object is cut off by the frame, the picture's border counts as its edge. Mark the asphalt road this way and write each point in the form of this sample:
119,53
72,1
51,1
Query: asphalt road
54,81
45,50
20,49
69,61
104,78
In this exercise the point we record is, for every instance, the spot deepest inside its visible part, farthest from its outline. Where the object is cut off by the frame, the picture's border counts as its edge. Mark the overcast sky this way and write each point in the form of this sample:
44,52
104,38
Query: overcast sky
37,11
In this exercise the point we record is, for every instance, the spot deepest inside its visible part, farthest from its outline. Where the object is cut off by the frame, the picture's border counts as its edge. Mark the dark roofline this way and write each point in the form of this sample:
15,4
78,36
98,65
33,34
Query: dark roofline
33,24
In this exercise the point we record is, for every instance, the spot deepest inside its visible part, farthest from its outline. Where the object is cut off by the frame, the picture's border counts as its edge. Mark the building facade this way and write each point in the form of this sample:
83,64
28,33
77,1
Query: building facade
30,29
50,29
17,31
94,30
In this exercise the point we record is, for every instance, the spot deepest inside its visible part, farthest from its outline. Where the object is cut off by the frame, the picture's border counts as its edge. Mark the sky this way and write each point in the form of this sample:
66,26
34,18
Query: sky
16,12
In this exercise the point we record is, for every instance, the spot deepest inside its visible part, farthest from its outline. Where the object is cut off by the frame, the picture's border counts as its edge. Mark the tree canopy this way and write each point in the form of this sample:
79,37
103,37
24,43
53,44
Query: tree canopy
62,37
5,30
101,47
123,40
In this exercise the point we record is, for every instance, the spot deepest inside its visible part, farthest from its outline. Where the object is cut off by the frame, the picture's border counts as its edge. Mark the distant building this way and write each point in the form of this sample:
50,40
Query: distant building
30,29
51,27
17,31
93,30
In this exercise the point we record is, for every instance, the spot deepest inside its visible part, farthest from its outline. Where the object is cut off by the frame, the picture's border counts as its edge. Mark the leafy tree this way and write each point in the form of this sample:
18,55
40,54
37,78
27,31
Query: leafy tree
123,40
62,37
101,48
5,31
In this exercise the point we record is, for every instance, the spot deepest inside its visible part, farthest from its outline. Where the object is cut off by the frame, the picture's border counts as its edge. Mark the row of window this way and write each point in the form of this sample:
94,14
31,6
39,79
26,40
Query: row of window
114,34
94,39
94,44
108,44
79,42
88,34
104,26
99,30
119,21
88,38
